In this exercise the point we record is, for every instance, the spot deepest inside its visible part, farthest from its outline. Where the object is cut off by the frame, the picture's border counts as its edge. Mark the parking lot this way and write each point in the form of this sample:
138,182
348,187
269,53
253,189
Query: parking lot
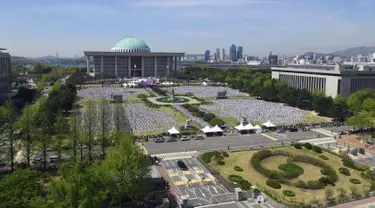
196,183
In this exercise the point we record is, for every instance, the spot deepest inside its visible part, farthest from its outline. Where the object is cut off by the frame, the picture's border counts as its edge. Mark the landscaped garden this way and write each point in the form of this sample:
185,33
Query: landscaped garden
300,174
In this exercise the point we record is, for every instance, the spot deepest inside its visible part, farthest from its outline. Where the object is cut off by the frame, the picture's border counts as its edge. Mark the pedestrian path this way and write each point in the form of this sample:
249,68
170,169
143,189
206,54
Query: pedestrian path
320,141
176,155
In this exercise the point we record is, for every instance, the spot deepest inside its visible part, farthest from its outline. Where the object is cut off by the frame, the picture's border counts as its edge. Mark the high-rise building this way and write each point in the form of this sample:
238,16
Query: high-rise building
206,55
273,59
233,53
239,52
223,54
5,73
217,55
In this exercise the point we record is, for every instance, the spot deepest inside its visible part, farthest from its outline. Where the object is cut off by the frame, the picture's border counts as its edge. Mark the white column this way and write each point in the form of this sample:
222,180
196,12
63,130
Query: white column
143,66
156,66
88,64
168,65
129,66
116,70
101,64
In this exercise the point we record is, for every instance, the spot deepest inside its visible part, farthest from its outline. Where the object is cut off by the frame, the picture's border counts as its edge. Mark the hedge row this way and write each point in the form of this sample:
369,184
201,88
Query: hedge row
288,193
206,157
323,157
355,181
208,117
348,162
238,168
344,171
273,183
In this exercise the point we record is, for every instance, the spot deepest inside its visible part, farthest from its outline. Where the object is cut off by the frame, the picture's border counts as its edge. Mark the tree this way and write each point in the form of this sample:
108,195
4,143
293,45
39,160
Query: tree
119,117
104,120
342,193
75,124
354,191
26,124
356,99
22,188
61,125
328,193
9,116
90,125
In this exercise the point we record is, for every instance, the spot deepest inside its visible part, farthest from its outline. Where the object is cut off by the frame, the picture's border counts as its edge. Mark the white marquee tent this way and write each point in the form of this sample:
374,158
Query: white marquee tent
206,129
173,130
216,129
257,129
268,124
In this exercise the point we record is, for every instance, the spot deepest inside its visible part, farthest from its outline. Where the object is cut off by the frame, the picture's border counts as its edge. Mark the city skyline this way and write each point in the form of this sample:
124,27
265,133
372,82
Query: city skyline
286,27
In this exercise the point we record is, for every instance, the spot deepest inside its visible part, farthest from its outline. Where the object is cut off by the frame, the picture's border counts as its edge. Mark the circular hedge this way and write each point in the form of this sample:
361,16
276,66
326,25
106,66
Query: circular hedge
323,157
238,168
273,183
291,168
355,181
235,178
288,193
344,171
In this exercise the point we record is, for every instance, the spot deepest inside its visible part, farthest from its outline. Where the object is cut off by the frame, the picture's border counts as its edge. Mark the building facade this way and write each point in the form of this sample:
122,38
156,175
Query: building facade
273,60
5,73
233,53
239,52
223,55
333,80
206,55
131,57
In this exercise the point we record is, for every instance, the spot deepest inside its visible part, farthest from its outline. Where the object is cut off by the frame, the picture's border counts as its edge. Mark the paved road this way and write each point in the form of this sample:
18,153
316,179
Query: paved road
235,142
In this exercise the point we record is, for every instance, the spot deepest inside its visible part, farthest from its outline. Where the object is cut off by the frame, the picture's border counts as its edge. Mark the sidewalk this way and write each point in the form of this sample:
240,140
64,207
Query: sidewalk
364,203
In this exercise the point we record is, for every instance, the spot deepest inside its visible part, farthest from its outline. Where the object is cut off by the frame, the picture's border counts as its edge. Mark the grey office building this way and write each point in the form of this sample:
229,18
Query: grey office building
233,53
131,57
239,52
332,79
5,73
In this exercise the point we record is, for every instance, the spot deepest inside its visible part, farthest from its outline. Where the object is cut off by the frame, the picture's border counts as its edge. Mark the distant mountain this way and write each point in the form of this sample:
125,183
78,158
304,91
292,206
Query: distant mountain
347,52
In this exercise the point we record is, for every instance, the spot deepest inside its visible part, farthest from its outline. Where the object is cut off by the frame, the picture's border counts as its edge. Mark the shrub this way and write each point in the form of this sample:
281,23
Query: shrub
344,171
216,121
288,193
219,158
301,184
291,168
307,146
238,168
355,181
235,178
324,171
244,184
297,146
220,162
225,154
323,157
206,157
273,183
315,185
208,117
317,149
324,180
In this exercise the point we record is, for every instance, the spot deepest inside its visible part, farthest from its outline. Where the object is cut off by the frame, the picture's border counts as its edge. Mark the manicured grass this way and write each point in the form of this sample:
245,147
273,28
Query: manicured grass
291,167
311,172
312,117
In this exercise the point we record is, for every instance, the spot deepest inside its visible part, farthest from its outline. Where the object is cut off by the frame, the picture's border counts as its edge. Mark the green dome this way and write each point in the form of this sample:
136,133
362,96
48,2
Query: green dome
130,44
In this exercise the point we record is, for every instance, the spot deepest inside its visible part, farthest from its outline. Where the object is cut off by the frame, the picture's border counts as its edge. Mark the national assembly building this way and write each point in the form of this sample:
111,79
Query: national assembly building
131,57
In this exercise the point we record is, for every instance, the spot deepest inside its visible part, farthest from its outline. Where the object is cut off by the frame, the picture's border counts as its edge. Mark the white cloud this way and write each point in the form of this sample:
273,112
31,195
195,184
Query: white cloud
195,3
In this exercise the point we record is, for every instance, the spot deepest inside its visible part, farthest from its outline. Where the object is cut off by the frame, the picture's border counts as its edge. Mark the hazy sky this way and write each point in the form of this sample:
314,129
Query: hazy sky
45,27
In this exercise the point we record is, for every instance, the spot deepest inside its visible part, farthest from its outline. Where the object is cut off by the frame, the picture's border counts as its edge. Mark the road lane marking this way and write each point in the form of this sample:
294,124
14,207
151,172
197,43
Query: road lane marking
179,183
269,137
186,172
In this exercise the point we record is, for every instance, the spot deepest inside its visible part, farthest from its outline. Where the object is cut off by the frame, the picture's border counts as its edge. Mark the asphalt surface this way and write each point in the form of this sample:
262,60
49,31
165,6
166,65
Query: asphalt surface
234,142
196,183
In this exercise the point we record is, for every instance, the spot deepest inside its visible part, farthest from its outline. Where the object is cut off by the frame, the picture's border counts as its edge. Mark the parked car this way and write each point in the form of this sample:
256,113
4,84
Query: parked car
171,139
185,138
159,140
199,137
182,165
53,158
280,131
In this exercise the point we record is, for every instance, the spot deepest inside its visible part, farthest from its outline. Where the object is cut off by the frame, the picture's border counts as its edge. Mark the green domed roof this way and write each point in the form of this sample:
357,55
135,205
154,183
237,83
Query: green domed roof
131,43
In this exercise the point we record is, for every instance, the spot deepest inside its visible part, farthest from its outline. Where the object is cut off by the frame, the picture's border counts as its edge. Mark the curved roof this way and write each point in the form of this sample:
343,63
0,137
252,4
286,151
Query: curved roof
131,44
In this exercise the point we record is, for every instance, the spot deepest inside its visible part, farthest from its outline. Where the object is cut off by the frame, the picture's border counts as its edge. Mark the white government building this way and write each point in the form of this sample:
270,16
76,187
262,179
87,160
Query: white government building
131,57
331,79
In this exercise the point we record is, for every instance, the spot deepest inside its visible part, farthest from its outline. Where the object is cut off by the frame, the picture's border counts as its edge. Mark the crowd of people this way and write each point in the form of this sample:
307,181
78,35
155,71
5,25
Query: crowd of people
256,111
208,91
96,93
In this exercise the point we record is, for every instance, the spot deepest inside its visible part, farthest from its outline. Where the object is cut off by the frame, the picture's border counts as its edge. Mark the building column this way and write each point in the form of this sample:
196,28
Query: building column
143,66
168,65
156,66
101,64
175,64
116,70
129,67
88,64
179,63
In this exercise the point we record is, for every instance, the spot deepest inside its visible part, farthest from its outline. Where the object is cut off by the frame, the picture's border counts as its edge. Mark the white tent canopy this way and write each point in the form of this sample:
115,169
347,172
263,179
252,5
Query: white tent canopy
257,129
206,129
249,127
204,83
240,127
269,124
216,129
173,130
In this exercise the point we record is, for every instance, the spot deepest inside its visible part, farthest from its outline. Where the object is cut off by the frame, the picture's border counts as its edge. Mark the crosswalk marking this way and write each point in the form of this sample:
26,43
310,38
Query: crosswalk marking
194,181
186,172
207,180
173,174
199,171
179,183
176,155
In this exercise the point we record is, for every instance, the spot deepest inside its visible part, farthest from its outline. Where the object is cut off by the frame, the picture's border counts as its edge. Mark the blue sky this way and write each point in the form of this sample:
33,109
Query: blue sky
45,27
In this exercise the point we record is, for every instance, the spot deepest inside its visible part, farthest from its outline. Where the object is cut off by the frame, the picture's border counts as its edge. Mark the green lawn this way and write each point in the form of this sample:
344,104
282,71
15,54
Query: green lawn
311,172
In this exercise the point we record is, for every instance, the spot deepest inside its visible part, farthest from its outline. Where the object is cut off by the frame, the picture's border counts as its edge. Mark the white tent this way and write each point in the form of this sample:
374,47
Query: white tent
249,127
206,129
240,127
173,130
125,85
257,129
204,83
216,129
269,124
